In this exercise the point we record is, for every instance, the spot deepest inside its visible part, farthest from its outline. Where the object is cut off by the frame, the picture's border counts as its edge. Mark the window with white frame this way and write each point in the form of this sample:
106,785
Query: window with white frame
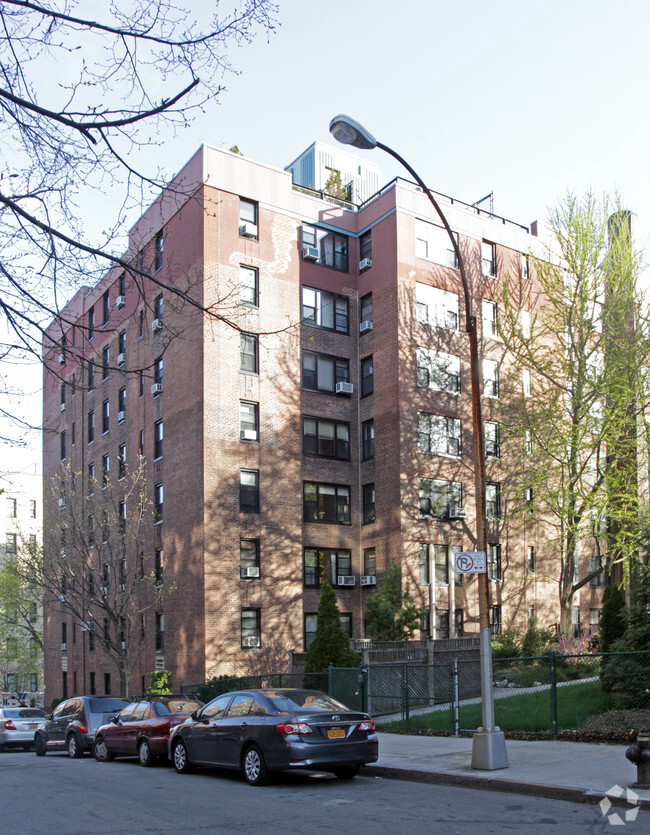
326,503
326,438
439,435
325,247
248,421
433,244
490,316
321,372
251,635
492,439
248,219
524,318
524,267
436,497
492,500
530,559
324,310
158,502
526,381
493,553
438,371
600,580
249,559
489,258
436,307
491,378
248,285
594,620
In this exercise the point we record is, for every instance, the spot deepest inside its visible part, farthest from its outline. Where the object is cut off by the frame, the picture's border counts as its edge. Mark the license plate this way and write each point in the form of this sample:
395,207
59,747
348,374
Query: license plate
336,733
32,725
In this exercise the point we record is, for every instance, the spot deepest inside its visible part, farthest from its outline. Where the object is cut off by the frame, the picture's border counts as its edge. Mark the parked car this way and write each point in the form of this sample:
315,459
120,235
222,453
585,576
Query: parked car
73,723
142,729
17,726
261,731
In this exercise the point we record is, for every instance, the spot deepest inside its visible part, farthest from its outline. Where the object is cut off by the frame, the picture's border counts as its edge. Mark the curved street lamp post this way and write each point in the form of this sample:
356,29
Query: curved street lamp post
488,744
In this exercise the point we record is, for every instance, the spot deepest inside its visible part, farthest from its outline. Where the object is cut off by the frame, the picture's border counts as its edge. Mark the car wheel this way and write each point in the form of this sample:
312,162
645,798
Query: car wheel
255,770
144,754
39,746
101,752
74,748
346,772
181,760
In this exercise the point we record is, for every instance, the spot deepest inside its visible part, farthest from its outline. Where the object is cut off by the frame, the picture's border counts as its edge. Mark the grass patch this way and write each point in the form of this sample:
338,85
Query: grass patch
525,712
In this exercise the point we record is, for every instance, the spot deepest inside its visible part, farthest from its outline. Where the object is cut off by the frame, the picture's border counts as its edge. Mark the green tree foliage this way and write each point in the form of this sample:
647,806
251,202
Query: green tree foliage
160,683
532,643
576,432
335,188
612,617
21,625
391,613
330,645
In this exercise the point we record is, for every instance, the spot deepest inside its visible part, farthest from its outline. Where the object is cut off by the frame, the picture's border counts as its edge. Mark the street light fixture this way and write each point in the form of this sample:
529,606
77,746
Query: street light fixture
488,744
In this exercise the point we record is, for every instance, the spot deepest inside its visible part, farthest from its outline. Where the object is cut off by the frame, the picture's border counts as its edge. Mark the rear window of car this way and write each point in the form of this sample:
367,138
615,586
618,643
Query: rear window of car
106,705
23,713
300,701
177,706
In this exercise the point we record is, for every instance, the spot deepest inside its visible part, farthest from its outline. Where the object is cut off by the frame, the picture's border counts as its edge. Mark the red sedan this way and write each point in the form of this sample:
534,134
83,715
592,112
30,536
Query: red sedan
142,729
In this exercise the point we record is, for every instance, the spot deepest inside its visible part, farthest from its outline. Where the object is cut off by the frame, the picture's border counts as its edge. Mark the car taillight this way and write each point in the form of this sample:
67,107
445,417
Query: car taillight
82,729
366,725
295,728
9,725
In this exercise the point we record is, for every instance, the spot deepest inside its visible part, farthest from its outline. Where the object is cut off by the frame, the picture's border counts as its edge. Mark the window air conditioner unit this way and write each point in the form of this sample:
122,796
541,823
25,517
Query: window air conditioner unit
156,325
365,264
63,553
248,434
104,591
251,641
368,580
64,647
364,327
345,580
156,388
121,359
457,513
61,359
309,253
248,230
62,598
87,626
250,571
61,502
63,407
121,417
344,388
160,662
120,301
123,644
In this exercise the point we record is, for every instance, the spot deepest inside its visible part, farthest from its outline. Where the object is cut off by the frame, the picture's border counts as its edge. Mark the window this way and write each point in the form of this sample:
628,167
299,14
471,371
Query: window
326,503
434,556
248,353
438,371
458,623
433,244
492,500
311,622
322,563
495,620
442,623
248,421
158,373
32,508
158,566
594,620
91,323
600,580
121,348
158,502
490,313
121,285
105,362
490,378
121,405
160,632
524,267
159,245
249,558
141,382
324,310
10,543
31,543
367,440
365,250
365,308
528,444
249,491
121,461
91,376
326,438
12,508
105,307
530,559
91,530
250,629
439,435
492,442
92,685
489,258
494,562
72,437
63,394
321,372
91,479
105,468
436,497
105,416
157,439
248,219
158,307
62,439
369,562
368,498
528,497
526,380
91,426
525,323
327,248
248,285
366,376
436,307
575,621
141,443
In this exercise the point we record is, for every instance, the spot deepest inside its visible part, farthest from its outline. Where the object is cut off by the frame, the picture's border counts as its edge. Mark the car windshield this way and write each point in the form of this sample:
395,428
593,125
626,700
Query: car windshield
24,713
177,706
301,701
106,705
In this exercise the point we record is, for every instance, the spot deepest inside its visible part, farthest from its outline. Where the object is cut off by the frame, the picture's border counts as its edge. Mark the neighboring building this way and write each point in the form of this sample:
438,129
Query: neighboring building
21,612
326,433
314,168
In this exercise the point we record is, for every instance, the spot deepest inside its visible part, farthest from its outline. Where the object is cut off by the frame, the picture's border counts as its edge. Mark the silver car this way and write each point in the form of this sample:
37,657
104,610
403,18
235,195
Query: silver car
18,726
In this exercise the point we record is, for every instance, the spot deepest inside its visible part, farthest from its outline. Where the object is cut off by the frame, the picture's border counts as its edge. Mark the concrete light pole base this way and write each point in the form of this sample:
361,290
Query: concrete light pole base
489,751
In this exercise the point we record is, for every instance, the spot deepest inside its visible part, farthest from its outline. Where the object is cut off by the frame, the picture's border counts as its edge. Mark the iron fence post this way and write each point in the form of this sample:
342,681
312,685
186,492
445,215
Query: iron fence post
405,679
330,678
553,696
455,697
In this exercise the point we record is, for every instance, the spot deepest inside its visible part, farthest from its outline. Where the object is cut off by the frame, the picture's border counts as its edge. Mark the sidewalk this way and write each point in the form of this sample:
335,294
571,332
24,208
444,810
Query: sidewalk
575,771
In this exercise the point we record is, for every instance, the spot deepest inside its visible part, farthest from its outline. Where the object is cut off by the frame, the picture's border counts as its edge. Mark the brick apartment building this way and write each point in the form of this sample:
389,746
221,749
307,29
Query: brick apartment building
321,428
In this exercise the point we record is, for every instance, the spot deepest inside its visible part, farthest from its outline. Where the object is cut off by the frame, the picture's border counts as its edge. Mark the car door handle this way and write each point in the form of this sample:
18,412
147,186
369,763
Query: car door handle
244,725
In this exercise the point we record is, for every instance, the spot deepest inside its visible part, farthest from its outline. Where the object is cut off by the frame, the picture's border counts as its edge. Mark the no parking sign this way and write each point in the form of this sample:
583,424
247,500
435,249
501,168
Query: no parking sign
471,562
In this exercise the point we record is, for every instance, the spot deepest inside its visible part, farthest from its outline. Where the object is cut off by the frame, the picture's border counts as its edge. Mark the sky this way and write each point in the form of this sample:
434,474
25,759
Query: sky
524,100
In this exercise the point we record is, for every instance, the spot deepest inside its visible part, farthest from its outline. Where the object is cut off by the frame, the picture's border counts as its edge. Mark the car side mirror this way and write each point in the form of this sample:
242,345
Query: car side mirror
113,719
194,715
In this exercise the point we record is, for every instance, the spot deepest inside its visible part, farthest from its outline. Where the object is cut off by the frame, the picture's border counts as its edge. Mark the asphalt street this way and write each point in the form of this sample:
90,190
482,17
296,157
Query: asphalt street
55,795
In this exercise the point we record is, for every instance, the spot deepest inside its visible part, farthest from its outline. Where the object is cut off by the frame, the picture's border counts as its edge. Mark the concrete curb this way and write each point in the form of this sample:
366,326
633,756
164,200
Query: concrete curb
483,783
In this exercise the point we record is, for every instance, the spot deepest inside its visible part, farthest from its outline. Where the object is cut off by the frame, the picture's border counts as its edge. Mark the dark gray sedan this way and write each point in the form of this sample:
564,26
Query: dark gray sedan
261,731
